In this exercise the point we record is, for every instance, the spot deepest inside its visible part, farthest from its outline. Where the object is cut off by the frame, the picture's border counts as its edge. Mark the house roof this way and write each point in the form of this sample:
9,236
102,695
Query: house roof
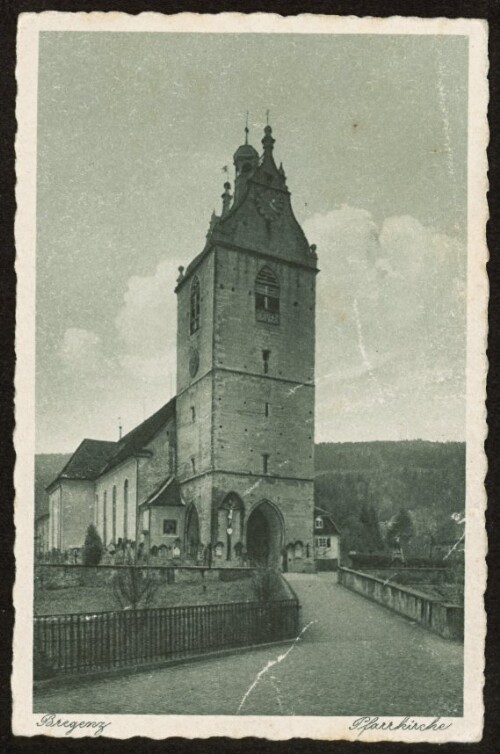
167,493
94,457
331,527
134,442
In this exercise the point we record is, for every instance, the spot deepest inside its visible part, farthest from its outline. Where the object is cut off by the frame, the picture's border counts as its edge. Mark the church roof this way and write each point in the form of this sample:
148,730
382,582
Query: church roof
94,457
87,460
245,150
135,440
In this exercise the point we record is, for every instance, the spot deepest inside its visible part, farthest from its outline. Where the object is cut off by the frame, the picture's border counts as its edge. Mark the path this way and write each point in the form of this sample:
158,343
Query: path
356,658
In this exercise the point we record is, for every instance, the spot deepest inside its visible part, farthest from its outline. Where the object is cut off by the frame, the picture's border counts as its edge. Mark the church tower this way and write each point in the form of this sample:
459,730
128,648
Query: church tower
245,376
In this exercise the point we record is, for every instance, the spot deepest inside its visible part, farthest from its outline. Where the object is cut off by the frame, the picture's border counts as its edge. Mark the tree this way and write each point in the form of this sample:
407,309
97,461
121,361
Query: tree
92,547
371,537
400,529
134,587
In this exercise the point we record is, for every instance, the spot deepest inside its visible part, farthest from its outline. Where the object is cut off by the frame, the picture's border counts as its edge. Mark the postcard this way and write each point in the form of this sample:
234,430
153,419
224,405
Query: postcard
250,385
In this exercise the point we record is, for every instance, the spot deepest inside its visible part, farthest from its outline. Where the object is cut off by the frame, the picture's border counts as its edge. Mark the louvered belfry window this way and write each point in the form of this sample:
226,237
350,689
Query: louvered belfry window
267,297
194,310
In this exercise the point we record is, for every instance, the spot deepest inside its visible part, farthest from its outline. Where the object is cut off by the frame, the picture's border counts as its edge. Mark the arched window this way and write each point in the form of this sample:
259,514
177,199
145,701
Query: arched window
194,306
267,297
125,510
298,550
113,519
318,522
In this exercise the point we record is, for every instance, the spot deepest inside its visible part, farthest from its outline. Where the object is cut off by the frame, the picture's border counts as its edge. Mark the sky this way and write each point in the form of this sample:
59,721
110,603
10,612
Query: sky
134,130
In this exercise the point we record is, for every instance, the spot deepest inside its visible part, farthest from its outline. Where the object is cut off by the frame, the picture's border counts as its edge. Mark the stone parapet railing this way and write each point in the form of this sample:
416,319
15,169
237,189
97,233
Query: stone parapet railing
443,618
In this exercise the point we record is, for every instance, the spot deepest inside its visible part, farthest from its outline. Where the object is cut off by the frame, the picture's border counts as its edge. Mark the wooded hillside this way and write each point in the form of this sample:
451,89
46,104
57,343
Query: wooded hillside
362,483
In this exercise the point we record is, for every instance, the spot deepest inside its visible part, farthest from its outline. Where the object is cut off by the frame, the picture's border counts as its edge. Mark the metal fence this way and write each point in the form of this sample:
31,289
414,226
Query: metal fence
85,643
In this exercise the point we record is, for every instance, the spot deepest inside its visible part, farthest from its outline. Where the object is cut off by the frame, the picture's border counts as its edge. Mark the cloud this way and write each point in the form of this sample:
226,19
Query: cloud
147,325
81,350
390,325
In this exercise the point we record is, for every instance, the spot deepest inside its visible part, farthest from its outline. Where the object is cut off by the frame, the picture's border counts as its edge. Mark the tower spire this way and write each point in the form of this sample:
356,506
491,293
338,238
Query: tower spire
246,130
268,141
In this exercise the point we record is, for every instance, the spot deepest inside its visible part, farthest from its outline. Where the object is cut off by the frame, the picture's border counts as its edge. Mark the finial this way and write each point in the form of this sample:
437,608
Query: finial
226,198
246,130
181,273
119,428
268,140
267,117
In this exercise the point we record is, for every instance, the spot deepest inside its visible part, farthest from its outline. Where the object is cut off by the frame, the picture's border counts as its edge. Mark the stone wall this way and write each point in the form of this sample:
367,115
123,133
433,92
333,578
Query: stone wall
239,339
243,432
194,436
202,338
49,576
440,617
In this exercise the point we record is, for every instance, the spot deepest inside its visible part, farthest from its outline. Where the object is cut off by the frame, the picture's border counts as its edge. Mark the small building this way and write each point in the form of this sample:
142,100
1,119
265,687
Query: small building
326,541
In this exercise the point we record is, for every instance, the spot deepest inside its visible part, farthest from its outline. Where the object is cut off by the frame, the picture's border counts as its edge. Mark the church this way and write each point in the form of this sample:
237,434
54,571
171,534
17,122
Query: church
224,472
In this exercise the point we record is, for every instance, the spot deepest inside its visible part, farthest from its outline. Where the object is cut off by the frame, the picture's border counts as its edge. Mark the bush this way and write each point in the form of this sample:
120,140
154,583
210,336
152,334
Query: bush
92,548
267,584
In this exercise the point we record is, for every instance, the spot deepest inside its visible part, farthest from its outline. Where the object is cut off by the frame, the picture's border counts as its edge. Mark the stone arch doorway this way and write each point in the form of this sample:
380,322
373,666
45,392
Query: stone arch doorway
264,535
192,533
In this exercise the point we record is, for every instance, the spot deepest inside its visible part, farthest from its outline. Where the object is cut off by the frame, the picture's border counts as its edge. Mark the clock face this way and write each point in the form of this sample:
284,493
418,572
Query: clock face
270,204
194,362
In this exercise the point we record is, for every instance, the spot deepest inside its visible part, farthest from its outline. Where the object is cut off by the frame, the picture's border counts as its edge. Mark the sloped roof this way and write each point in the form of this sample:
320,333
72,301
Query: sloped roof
167,493
331,527
87,460
133,442
94,457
